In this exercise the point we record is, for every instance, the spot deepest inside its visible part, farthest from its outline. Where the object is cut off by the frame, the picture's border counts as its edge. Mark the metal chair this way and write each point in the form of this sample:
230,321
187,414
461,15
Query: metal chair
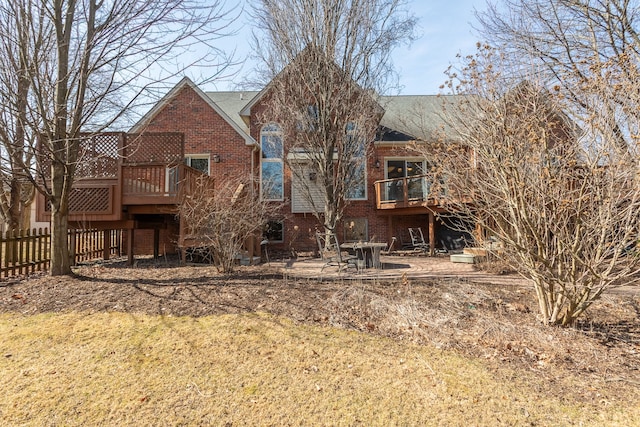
417,240
330,252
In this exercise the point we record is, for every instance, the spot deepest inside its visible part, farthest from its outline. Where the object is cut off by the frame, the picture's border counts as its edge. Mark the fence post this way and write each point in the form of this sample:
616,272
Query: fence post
46,248
72,246
34,260
106,244
8,249
11,250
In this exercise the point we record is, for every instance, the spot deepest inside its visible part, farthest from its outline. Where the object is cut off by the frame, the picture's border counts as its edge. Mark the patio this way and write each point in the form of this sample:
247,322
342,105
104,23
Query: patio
394,267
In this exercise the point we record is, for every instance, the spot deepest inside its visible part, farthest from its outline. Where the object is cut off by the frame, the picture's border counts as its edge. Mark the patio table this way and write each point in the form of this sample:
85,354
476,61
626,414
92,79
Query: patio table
367,252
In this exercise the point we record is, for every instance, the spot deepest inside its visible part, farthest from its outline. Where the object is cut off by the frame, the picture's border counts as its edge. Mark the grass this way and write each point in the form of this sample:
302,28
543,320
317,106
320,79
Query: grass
256,369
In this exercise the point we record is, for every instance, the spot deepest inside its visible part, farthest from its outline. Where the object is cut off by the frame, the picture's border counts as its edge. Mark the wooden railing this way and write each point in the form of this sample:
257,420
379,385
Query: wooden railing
27,251
407,192
93,199
156,183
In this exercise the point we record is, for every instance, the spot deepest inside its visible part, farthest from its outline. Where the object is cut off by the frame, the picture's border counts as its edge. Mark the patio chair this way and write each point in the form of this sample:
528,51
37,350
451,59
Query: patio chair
331,254
389,248
417,240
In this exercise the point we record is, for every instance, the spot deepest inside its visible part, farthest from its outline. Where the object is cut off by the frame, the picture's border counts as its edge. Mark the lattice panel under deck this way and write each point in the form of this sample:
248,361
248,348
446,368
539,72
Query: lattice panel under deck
90,200
98,156
154,147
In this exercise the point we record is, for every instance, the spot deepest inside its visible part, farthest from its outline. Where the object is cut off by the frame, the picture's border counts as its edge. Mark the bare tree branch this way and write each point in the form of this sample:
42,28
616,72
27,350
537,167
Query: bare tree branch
559,201
71,68
325,61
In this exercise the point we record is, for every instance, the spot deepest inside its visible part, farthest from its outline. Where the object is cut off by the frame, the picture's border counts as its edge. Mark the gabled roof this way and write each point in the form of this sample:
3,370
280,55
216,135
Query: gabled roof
405,117
308,50
233,103
235,123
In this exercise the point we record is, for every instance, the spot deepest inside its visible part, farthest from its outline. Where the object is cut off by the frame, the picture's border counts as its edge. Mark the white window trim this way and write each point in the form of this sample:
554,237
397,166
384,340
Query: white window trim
279,160
189,157
351,130
366,190
263,161
283,231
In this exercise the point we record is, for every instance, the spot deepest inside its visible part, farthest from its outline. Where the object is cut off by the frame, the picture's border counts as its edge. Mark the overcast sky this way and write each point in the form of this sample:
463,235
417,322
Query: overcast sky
445,29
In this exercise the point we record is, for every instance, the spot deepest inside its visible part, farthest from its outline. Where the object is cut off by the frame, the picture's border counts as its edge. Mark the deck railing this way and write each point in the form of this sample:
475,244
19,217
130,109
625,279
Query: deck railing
156,183
119,169
406,192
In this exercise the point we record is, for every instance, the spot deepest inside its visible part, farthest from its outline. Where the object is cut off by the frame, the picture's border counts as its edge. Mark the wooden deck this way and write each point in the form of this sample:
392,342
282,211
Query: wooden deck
122,174
408,195
129,182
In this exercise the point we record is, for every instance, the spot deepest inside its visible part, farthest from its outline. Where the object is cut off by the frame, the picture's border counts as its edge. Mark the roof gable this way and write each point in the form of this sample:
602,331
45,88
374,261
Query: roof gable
186,82
302,56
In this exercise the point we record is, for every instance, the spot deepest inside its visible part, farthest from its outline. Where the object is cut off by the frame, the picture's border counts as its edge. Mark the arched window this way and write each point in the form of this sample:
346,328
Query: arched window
271,162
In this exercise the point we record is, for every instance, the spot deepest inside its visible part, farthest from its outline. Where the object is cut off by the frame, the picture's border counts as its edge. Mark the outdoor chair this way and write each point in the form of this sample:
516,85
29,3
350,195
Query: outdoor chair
331,253
389,248
417,240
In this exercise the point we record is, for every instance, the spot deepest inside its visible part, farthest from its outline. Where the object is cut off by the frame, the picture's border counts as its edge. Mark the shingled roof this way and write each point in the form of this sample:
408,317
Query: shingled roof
400,114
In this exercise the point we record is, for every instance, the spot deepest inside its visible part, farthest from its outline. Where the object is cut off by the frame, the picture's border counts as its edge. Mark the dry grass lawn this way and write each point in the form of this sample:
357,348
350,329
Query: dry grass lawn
118,368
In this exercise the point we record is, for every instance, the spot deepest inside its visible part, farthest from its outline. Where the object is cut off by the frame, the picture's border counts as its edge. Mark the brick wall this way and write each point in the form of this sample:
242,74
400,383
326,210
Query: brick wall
205,132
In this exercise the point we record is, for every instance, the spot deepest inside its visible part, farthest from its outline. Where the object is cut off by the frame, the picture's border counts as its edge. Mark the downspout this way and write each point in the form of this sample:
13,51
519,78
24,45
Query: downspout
255,150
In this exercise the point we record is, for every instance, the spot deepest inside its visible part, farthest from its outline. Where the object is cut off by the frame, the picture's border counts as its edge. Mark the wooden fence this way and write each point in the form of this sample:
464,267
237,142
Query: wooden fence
28,251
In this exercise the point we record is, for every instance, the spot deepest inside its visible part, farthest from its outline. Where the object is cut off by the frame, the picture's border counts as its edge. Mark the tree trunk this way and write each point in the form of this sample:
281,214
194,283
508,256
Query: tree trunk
13,220
61,182
60,262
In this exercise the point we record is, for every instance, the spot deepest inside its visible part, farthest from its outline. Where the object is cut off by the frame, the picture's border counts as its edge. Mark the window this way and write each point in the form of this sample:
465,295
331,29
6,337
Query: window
274,232
356,230
357,178
198,161
271,163
357,189
308,119
411,169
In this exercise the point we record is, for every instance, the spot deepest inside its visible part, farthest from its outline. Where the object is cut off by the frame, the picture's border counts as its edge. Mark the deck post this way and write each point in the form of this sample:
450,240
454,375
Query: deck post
432,234
390,229
130,245
156,243
106,244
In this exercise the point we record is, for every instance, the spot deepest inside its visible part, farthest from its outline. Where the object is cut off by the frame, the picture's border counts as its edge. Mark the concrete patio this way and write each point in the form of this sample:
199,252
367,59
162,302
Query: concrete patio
393,268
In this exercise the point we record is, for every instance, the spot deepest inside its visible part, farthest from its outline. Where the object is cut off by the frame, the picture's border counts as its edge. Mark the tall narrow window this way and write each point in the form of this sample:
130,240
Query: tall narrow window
357,178
271,163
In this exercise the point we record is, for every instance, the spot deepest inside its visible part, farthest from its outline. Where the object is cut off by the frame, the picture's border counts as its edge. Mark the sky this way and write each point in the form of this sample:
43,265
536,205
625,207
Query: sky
444,30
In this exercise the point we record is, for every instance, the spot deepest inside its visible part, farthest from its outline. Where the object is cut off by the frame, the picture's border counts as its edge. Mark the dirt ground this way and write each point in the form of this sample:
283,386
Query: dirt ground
496,323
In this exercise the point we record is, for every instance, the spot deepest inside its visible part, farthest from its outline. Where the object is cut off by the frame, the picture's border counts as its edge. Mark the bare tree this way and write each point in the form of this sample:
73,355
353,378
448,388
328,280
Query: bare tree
561,199
80,63
571,43
17,191
222,219
325,61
